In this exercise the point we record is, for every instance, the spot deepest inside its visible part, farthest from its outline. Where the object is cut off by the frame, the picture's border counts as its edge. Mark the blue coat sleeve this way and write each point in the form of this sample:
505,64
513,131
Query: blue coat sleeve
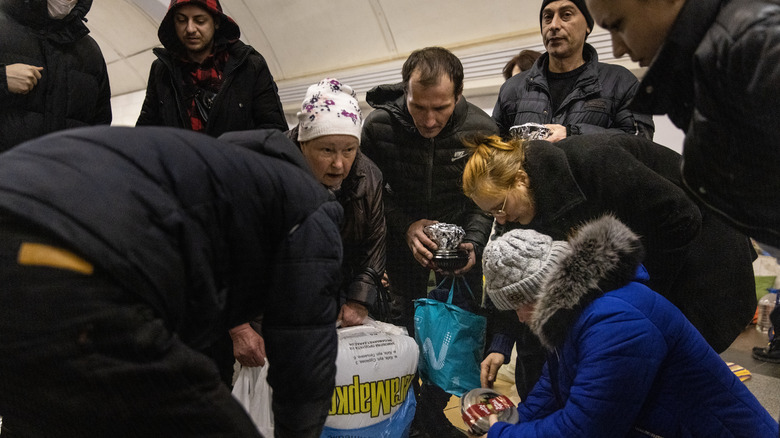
616,355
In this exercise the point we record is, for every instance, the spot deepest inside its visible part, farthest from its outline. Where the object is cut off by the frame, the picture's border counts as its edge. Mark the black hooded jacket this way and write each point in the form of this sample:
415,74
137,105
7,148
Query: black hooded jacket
73,90
247,99
207,233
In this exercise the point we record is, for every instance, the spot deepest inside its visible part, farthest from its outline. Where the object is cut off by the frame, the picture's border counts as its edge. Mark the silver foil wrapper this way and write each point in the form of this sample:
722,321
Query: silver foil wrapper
530,131
446,236
477,405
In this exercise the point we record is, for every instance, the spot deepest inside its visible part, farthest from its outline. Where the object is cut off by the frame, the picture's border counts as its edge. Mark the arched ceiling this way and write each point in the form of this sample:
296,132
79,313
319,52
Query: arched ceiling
361,42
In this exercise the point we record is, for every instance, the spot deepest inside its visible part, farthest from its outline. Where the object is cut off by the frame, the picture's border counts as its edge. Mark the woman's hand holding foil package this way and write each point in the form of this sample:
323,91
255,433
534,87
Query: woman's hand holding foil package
493,420
419,242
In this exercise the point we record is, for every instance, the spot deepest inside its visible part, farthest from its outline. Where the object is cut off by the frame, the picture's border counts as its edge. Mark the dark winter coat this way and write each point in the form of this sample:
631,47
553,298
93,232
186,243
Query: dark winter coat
363,230
623,361
701,265
207,233
717,78
73,90
423,176
248,97
597,104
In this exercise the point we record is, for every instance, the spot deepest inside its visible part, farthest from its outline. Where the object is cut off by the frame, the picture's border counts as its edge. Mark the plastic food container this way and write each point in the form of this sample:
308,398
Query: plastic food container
447,237
477,405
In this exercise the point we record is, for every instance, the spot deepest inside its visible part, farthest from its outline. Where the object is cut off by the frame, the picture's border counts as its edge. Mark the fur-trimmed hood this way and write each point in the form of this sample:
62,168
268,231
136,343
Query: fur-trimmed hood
605,255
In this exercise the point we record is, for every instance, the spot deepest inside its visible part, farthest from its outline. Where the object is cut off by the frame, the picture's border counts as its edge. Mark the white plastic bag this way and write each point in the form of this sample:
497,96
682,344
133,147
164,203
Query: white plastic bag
254,393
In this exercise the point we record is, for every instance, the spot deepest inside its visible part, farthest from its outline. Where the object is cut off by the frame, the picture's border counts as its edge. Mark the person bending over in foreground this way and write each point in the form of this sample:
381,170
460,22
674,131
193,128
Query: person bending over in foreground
127,252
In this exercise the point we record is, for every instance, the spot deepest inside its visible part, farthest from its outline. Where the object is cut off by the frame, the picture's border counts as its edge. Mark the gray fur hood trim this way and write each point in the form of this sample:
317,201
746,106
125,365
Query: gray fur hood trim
604,256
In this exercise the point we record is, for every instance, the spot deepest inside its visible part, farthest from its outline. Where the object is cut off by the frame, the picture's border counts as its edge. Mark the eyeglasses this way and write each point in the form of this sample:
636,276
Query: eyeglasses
500,212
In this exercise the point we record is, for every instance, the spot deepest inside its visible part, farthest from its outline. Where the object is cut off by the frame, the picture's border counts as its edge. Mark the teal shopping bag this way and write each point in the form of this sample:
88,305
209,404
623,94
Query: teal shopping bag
451,342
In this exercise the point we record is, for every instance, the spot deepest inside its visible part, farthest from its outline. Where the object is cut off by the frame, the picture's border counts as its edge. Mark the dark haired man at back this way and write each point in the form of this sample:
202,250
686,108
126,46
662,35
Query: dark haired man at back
414,136
207,80
568,89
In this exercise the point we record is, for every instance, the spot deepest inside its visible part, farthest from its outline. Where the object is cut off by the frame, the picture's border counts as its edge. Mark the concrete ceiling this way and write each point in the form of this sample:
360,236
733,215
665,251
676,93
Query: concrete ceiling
361,42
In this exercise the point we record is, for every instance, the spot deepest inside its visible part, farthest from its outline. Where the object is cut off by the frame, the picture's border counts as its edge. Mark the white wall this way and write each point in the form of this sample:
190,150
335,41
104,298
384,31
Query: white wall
126,108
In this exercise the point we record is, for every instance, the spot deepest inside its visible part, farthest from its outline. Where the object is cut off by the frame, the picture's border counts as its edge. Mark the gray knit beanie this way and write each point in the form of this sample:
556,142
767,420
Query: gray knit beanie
517,263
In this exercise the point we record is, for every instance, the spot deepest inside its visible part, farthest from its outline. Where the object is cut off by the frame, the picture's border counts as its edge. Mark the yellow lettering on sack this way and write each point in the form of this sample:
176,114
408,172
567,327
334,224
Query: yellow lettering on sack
376,397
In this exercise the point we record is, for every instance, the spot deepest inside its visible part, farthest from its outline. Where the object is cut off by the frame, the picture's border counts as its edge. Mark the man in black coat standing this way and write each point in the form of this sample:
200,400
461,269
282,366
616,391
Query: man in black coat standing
207,80
414,137
567,89
125,252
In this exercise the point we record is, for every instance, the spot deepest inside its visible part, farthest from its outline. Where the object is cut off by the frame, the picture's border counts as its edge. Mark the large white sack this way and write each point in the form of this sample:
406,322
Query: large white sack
375,367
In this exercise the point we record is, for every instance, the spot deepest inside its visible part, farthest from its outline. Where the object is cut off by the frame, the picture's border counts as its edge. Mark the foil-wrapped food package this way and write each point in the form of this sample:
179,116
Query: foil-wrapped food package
477,405
530,131
446,236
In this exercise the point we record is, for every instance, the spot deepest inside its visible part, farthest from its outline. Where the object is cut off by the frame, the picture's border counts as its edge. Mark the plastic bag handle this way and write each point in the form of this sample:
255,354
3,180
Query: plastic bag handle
468,288
452,291
452,287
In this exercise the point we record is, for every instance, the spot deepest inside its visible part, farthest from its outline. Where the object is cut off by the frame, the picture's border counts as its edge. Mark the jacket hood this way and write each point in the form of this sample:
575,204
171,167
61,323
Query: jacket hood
391,98
228,29
35,14
605,255
271,142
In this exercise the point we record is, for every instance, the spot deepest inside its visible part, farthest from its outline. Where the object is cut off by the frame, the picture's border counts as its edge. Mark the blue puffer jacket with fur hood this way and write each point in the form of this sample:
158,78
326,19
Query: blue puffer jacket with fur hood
623,361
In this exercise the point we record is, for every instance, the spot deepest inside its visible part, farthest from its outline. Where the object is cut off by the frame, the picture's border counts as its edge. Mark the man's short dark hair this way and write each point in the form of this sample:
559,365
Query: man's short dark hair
432,63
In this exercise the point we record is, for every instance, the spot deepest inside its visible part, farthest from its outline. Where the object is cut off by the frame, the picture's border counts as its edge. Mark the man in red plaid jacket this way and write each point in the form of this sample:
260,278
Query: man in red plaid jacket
205,79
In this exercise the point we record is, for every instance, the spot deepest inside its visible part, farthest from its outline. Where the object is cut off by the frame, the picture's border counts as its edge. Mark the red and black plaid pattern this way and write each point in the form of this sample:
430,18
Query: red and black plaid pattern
207,76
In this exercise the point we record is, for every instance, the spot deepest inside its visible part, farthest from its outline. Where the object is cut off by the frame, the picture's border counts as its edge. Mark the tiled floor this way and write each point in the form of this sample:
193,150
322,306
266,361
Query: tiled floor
764,382
740,352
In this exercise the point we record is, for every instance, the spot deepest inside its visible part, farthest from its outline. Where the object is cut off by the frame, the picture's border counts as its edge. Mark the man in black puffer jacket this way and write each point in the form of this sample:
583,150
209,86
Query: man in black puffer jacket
52,74
414,137
205,78
568,90
125,252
